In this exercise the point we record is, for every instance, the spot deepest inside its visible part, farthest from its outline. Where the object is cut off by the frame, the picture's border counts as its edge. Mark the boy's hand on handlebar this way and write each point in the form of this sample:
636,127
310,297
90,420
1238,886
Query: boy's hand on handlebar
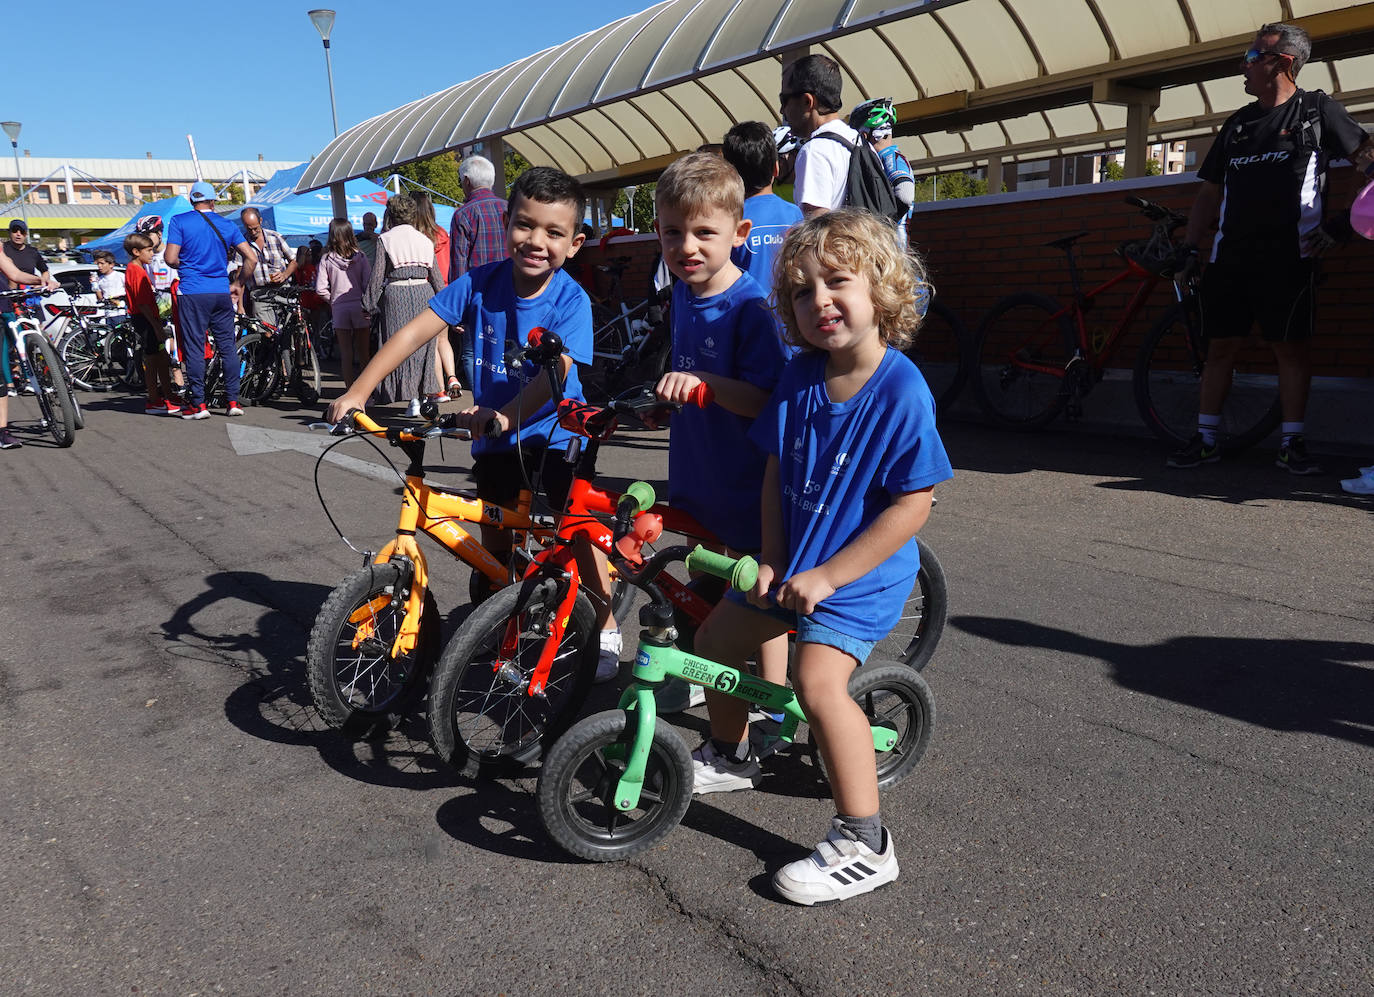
802,593
676,386
341,406
478,420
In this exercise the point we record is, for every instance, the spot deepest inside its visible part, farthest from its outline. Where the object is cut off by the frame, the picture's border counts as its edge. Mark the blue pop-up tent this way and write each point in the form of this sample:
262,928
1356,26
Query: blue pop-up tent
114,242
307,214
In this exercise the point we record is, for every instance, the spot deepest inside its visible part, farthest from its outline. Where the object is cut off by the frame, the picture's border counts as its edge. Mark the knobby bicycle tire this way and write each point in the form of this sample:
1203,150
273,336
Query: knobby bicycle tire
940,351
1168,376
481,717
354,679
87,356
1021,330
54,400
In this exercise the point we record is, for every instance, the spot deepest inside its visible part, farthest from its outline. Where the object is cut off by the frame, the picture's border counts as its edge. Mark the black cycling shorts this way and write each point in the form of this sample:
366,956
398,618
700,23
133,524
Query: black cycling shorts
501,476
1279,296
149,340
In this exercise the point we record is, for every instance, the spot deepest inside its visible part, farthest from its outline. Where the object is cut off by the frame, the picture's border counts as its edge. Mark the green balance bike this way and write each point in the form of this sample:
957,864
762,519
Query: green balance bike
617,782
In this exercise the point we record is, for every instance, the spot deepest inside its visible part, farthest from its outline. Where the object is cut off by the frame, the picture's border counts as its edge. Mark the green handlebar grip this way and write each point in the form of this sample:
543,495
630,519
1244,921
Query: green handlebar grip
643,493
740,574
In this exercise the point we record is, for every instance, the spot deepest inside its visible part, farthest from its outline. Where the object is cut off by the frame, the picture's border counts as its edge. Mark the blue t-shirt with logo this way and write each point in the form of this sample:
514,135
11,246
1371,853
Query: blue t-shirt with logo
483,301
203,267
714,472
839,464
771,217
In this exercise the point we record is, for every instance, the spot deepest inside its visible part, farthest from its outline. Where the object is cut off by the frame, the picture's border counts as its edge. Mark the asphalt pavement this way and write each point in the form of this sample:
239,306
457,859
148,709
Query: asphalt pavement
1151,768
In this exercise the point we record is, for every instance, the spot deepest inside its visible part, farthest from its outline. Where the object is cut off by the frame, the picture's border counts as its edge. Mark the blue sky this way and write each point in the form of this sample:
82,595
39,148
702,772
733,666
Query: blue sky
117,80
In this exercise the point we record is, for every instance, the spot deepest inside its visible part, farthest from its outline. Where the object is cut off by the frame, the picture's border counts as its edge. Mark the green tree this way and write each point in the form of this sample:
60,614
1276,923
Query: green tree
515,165
949,186
644,207
1115,171
438,173
233,194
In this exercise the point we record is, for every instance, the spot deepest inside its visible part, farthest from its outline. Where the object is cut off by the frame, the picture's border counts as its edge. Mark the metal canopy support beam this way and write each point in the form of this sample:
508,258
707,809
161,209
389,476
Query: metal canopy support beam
1140,106
338,200
995,175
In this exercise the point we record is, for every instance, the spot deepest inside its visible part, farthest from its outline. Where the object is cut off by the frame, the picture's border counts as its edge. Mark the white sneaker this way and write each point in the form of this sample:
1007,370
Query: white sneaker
838,869
712,772
1367,471
608,663
1359,486
413,409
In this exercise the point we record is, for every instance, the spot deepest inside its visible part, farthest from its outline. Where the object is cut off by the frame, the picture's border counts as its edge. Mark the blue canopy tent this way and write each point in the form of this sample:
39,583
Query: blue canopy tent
114,242
304,215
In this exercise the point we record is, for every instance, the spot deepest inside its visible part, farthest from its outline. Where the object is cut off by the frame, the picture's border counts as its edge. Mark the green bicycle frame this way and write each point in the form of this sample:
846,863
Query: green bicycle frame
658,660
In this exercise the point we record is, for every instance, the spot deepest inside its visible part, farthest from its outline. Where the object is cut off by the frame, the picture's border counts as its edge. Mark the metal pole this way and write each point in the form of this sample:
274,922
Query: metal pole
23,201
329,71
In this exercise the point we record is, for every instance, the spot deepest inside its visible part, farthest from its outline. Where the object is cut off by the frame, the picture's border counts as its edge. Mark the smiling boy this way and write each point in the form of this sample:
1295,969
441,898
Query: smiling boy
497,304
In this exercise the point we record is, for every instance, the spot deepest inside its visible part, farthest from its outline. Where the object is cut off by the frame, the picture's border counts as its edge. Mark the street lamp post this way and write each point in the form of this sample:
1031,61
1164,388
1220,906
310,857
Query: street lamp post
12,130
324,23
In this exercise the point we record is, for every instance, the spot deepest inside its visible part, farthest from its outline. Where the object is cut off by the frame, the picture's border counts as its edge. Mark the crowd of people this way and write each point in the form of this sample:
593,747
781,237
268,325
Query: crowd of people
820,439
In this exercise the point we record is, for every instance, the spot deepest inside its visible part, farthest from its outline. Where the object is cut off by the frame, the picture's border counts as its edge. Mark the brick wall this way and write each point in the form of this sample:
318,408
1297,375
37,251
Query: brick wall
980,250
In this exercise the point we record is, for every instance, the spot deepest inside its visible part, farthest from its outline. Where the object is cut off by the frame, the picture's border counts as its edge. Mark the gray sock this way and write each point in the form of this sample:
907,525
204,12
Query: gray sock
868,830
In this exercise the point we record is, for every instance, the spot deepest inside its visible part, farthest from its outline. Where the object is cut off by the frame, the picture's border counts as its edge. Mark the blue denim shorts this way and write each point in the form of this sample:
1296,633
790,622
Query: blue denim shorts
811,632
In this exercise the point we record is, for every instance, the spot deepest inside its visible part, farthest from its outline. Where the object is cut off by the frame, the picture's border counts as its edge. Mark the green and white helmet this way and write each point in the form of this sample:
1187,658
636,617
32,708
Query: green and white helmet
876,117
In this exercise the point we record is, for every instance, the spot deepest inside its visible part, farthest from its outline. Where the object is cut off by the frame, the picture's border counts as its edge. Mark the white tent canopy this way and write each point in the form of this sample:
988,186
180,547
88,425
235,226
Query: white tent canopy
973,80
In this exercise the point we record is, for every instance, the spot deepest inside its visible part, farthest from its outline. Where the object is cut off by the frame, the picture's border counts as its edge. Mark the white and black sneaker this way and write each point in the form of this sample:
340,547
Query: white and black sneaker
713,772
608,656
841,867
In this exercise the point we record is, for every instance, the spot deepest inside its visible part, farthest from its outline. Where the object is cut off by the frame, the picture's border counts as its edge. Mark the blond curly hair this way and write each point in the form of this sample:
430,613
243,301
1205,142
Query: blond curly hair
862,243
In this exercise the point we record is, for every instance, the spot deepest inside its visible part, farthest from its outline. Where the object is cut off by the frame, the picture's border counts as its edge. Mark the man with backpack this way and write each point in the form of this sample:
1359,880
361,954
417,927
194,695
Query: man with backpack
834,168
1265,177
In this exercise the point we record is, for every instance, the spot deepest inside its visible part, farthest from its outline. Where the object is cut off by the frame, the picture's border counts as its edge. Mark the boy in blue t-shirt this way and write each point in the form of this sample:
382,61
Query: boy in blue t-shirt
853,456
751,149
497,305
724,336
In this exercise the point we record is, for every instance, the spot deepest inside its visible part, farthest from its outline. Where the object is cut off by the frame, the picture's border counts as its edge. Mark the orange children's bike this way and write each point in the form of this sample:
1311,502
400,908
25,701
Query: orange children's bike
377,635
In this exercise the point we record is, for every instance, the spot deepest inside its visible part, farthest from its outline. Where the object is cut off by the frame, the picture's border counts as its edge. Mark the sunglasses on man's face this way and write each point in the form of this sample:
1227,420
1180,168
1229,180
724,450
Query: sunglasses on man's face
1255,55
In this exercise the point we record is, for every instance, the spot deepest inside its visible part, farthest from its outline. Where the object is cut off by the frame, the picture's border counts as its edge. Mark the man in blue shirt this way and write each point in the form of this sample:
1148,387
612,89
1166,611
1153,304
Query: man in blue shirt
198,244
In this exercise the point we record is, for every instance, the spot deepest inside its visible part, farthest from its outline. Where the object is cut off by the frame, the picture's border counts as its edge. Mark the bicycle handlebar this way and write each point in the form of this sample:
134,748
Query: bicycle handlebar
357,421
1157,213
741,573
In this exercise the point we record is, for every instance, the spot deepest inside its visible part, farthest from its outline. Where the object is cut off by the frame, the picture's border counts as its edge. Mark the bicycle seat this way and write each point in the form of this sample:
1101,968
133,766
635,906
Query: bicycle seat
1067,241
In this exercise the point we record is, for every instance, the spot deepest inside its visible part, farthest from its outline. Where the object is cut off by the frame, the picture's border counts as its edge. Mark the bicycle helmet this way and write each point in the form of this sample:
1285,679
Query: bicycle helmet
149,223
784,140
875,117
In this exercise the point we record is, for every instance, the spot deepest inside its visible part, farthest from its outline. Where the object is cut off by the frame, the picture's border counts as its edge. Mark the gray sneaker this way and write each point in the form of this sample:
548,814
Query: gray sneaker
712,772
8,440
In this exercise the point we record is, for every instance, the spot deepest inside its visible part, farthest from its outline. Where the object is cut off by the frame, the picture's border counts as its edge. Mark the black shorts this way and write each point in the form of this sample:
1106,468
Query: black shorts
1278,295
148,339
501,476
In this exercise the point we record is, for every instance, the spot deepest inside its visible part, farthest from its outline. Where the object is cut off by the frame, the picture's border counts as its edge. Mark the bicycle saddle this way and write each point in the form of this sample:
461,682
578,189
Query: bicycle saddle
1067,241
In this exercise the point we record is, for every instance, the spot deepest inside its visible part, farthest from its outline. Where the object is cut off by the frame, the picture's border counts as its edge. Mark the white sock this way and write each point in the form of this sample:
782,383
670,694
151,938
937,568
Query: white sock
1290,430
1207,426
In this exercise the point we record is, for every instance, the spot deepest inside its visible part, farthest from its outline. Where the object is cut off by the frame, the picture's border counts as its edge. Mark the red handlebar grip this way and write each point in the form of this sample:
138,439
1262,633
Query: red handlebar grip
647,527
702,395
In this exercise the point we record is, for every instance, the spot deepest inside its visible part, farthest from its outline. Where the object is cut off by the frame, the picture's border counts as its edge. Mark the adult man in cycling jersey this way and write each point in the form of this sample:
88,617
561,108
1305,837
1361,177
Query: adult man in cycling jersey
1265,175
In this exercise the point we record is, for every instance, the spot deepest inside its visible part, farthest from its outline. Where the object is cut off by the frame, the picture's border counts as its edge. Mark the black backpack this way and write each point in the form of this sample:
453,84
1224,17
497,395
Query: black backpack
868,186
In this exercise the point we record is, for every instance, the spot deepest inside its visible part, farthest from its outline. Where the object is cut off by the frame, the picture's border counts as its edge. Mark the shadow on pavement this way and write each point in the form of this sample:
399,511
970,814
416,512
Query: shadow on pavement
1325,687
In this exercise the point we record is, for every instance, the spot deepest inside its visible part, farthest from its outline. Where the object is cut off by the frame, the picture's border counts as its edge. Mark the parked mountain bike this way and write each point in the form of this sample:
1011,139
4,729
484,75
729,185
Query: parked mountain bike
377,635
617,782
297,362
103,352
1035,358
41,369
518,669
941,352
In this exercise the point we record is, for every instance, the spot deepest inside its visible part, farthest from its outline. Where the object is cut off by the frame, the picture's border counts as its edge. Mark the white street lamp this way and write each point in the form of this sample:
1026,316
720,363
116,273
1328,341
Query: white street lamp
324,23
12,130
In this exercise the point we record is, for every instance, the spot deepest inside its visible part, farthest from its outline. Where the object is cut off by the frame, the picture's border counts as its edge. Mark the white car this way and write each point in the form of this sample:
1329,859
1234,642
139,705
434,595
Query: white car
75,279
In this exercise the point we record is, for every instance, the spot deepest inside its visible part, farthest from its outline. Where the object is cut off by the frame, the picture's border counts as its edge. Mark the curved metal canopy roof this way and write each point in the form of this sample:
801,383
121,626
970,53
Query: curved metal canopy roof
972,79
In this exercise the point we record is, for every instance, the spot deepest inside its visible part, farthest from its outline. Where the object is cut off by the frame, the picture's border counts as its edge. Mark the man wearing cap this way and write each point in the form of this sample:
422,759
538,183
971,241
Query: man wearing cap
25,257
198,245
